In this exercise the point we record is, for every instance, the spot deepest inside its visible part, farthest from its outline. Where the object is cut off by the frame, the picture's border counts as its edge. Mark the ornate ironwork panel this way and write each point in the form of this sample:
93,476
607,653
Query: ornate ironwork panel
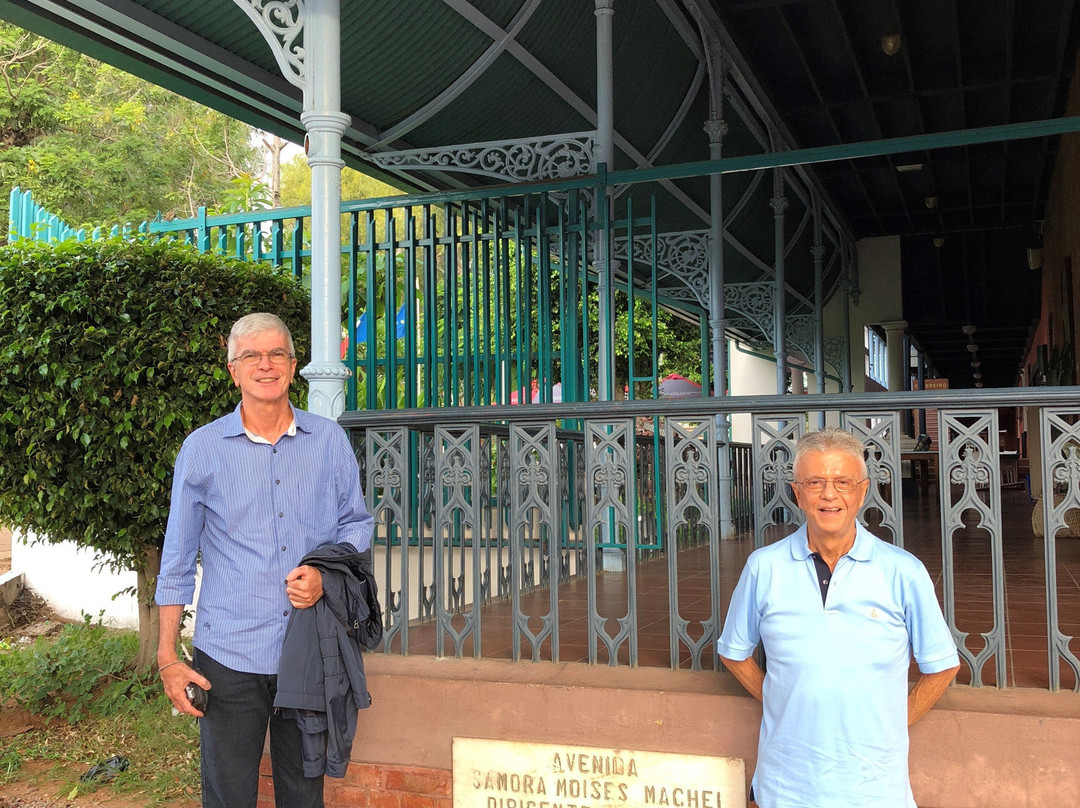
836,354
494,555
534,531
388,490
428,549
754,301
880,431
800,331
971,487
538,158
281,22
502,513
458,526
774,439
1060,433
693,518
611,526
684,255
578,499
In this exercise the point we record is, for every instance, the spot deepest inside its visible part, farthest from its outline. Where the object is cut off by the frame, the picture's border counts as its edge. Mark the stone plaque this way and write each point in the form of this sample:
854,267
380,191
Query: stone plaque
513,774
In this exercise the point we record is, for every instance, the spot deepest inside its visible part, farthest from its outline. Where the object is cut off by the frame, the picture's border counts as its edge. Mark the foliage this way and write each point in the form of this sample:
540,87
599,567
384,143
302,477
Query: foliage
678,343
10,761
123,713
110,353
98,146
296,191
84,670
245,193
296,184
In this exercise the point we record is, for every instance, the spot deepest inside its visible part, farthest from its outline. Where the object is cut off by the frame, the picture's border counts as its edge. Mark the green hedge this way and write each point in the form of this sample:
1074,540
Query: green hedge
110,353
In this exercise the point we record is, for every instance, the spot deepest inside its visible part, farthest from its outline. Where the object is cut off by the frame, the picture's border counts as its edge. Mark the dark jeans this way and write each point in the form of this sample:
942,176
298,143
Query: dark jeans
233,733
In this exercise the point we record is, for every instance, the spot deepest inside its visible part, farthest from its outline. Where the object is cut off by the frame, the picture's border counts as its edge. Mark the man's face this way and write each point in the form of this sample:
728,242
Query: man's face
263,381
830,514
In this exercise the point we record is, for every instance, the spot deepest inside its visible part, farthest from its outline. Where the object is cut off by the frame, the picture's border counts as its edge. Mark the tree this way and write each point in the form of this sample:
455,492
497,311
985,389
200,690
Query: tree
110,353
678,342
296,184
100,147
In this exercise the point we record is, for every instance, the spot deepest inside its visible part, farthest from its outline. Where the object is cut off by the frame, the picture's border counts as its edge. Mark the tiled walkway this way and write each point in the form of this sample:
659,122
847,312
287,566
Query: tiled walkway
1025,609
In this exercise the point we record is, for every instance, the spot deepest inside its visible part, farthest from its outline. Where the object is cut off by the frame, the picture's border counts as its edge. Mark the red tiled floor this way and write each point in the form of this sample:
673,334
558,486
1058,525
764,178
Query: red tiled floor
1024,580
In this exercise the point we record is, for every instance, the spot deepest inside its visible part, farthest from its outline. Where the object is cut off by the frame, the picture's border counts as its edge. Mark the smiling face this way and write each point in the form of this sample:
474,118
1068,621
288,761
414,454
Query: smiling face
830,515
265,382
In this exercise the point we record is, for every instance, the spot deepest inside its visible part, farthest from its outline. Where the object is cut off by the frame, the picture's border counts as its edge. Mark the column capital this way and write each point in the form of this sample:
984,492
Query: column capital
716,128
894,326
605,7
817,252
778,204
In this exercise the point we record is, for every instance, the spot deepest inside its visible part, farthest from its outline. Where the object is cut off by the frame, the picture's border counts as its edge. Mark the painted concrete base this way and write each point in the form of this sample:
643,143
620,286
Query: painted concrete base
978,749
11,586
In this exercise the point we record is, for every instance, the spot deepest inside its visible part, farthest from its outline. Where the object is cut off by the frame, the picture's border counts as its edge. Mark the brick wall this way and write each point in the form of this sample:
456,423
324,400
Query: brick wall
369,785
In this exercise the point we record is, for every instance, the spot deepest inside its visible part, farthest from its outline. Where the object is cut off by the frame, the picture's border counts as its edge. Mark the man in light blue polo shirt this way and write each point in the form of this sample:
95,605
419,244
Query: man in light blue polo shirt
839,614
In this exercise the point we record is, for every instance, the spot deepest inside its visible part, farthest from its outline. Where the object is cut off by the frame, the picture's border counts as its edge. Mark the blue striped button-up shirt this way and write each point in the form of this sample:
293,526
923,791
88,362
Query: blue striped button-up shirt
253,511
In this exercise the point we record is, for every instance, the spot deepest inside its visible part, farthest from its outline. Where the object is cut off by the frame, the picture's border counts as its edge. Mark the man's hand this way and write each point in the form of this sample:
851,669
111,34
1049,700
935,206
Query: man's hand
175,676
303,586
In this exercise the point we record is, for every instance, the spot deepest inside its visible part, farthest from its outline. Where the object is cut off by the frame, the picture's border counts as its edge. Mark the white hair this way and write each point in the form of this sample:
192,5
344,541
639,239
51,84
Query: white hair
831,439
257,323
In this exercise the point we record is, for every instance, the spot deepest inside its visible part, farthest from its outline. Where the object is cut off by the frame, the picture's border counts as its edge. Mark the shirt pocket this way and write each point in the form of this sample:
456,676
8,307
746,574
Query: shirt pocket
316,504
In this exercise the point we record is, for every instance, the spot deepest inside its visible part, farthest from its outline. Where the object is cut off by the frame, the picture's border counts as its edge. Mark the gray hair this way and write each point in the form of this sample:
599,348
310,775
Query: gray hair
257,323
831,439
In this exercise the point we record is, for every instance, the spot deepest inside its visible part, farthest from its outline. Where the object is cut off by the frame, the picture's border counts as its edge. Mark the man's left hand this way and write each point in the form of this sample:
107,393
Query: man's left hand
303,586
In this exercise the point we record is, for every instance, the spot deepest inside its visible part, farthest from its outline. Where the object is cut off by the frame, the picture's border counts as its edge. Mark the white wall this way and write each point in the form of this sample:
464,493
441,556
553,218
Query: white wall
881,299
65,576
750,376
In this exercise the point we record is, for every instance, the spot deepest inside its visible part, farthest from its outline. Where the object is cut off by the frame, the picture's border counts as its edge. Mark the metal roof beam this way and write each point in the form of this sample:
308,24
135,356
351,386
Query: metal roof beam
848,151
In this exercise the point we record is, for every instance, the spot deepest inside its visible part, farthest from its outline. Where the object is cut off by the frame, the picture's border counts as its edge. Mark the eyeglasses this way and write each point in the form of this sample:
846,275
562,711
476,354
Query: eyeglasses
842,485
278,356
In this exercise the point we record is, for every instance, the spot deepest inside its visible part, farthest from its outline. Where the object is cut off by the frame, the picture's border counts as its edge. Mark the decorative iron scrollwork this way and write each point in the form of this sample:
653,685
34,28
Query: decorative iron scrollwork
281,23
969,460
540,158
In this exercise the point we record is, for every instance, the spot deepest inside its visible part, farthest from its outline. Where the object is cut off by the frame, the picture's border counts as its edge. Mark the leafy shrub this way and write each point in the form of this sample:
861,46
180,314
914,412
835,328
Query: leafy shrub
110,353
85,670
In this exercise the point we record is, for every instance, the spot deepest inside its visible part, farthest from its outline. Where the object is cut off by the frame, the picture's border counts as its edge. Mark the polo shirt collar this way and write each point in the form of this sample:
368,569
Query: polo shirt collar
861,550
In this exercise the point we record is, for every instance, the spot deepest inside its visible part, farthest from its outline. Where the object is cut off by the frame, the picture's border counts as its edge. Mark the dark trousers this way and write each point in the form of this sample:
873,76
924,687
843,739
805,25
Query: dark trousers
233,734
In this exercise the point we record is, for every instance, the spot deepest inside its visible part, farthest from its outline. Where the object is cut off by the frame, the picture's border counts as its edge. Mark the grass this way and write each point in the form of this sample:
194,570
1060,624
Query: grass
94,707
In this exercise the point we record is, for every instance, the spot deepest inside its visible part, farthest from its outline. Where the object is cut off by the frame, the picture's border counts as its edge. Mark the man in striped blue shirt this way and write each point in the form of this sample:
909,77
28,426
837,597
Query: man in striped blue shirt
253,493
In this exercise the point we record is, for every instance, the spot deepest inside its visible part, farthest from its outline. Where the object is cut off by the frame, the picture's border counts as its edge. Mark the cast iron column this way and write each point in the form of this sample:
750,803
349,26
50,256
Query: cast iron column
779,204
325,123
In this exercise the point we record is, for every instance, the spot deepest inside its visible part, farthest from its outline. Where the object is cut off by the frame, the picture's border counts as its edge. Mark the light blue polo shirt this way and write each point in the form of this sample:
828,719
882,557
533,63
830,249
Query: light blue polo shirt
834,725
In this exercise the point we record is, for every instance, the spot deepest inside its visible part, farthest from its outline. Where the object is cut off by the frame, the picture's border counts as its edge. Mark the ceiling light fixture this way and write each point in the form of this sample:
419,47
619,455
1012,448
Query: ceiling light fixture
931,202
968,329
939,241
972,347
890,43
975,363
903,168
